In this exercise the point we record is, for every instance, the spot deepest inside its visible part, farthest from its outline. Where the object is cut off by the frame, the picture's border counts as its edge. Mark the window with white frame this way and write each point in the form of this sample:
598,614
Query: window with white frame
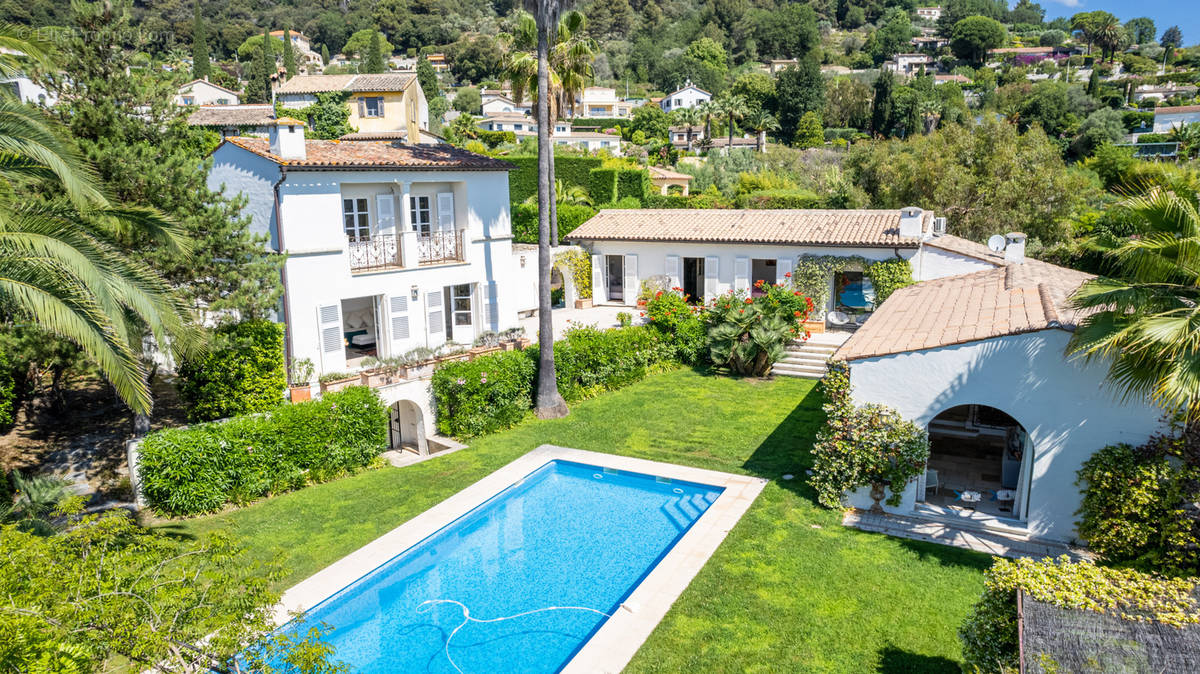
420,212
355,219
460,304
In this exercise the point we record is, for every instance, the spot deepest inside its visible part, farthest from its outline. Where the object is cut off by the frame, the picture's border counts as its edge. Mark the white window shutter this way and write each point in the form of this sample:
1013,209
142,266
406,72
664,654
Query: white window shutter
445,211
741,273
362,107
673,271
381,106
783,267
385,214
332,341
437,316
631,278
398,314
599,290
491,307
711,267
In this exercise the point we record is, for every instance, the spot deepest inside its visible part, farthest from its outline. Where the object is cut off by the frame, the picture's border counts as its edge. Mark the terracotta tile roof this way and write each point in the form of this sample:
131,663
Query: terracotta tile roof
232,115
333,154
1007,300
211,84
792,227
1178,109
966,247
313,84
668,174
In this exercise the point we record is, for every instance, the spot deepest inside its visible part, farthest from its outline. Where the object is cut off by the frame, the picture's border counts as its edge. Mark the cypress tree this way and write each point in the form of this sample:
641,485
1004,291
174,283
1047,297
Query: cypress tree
428,79
881,108
374,62
289,54
201,67
1093,85
263,68
324,55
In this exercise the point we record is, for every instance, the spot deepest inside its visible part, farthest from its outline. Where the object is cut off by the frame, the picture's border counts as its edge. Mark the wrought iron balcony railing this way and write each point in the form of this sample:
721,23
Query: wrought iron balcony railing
375,252
440,247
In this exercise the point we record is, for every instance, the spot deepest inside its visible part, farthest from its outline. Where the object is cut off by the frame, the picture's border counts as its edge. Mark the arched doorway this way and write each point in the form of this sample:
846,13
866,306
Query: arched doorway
979,463
406,429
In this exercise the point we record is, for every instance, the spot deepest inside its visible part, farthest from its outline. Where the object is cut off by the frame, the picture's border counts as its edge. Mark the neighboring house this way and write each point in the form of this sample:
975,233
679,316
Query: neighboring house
378,102
438,61
518,123
710,252
308,60
602,102
776,65
1028,55
203,92
497,104
679,136
930,43
389,247
28,91
590,141
426,137
909,65
929,13
254,119
688,97
945,79
1167,118
721,141
663,179
978,358
1160,92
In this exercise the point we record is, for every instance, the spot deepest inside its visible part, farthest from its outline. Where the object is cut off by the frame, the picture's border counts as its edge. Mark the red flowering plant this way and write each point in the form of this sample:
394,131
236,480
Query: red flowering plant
749,334
680,323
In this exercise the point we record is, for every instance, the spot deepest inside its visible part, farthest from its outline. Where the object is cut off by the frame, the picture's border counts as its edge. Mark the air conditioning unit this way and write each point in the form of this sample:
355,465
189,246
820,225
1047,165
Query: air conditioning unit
939,226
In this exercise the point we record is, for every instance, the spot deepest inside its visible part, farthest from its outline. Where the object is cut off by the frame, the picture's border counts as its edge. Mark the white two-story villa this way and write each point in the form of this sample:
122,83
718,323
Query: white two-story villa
389,246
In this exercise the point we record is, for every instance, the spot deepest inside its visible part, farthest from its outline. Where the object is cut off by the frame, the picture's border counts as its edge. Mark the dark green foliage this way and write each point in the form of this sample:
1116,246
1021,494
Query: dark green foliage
633,183
494,139
679,324
782,198
972,37
570,216
8,399
881,107
1134,119
242,372
484,395
888,276
650,120
494,392
374,62
572,170
258,75
328,118
468,100
603,185
201,67
798,89
187,471
1136,502
289,54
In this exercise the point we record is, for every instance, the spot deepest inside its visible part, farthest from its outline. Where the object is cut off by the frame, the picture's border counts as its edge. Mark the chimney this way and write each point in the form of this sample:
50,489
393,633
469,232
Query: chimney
287,139
1014,250
911,219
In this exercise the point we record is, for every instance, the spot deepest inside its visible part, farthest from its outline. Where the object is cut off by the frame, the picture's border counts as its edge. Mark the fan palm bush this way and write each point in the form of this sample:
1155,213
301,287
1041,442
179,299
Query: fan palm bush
62,266
750,334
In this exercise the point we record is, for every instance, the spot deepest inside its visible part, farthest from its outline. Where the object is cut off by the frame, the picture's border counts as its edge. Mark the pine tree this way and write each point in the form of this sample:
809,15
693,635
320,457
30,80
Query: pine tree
147,156
881,108
374,63
289,54
201,67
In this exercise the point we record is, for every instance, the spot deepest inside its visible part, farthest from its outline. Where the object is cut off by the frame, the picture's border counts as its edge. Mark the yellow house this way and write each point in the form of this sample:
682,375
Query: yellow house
378,102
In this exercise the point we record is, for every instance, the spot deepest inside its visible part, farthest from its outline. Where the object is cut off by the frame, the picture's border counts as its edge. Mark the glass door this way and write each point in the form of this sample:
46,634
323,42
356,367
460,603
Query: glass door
616,278
461,316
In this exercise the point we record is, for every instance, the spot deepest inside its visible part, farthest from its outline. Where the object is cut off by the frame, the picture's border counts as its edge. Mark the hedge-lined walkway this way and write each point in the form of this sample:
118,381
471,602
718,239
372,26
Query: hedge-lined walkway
789,590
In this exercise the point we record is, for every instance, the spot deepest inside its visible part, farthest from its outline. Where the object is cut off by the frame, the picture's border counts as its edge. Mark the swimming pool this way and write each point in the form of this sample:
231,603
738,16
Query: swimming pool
553,556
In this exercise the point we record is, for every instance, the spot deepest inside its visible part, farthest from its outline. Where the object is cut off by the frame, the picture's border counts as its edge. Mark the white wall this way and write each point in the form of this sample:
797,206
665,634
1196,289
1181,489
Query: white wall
652,256
237,171
931,263
687,98
205,93
1064,406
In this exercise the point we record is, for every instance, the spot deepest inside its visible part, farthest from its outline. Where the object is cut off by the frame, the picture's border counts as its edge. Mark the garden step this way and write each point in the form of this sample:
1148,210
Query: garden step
793,370
804,359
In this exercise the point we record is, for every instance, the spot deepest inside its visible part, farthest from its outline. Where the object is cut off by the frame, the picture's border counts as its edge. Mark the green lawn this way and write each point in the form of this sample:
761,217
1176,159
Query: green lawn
789,590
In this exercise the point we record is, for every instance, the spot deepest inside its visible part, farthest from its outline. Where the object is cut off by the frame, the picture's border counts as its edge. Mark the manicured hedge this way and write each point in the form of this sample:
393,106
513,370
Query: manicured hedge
633,183
494,392
241,372
525,222
572,170
603,186
199,469
766,199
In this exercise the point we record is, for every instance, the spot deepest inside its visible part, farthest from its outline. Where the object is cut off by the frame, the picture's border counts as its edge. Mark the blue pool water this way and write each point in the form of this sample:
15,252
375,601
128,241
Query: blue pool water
568,535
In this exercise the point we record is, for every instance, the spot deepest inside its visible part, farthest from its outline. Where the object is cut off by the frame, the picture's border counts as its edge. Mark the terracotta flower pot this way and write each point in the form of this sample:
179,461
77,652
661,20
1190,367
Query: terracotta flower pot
299,394
583,303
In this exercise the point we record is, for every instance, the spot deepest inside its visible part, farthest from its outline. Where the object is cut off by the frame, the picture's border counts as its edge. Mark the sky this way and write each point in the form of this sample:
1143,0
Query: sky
1182,13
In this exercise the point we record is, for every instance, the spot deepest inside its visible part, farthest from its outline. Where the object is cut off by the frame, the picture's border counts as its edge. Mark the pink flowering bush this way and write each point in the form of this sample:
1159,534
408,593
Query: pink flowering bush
488,394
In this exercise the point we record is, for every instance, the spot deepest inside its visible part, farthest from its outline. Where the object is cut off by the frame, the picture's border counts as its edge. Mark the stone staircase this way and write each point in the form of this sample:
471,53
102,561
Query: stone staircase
806,359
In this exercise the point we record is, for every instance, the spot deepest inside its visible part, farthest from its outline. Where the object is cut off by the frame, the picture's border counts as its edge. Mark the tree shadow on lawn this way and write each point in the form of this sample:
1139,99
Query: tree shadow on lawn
945,555
788,448
894,660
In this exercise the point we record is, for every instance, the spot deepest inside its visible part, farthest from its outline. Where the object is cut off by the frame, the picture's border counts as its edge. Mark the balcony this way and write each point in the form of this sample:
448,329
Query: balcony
440,247
384,252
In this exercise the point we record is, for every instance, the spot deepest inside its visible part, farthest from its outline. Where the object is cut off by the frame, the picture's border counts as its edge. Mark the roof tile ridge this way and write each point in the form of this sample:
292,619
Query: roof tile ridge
1010,282
1048,307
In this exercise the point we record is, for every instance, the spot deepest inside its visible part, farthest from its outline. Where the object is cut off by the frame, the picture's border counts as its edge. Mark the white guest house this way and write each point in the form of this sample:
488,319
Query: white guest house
389,246
689,96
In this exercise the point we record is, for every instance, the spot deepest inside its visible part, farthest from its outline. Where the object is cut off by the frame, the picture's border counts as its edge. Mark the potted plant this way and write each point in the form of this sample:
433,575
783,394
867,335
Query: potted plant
451,351
516,337
418,362
583,303
486,342
336,381
301,377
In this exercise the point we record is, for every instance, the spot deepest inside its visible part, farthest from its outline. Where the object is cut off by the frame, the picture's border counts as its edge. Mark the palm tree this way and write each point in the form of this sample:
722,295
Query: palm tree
761,121
1188,137
1145,320
62,267
1109,35
733,107
549,403
707,109
930,112
689,118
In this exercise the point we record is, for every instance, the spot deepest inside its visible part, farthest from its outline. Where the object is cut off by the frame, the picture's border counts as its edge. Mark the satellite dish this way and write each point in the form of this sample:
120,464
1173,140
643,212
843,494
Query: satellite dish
996,243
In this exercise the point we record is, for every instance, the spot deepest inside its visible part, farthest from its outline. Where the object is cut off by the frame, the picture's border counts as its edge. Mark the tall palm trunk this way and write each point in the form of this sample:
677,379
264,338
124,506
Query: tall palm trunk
550,403
729,149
